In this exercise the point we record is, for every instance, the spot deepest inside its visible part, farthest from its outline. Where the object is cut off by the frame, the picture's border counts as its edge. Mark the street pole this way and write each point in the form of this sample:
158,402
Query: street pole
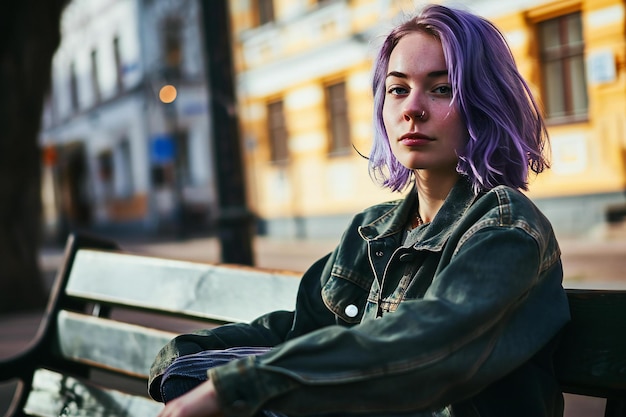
234,220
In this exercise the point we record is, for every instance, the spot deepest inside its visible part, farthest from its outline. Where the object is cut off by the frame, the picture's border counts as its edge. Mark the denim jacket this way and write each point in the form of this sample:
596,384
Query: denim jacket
464,312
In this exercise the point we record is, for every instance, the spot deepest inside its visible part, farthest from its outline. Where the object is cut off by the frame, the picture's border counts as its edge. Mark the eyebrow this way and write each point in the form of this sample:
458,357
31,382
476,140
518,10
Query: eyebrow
432,74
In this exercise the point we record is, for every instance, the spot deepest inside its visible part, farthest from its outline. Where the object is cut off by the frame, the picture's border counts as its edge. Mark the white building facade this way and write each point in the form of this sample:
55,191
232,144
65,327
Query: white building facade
117,155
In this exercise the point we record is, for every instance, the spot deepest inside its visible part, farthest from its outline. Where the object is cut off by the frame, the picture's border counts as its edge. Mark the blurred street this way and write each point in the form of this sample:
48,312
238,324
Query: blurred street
590,263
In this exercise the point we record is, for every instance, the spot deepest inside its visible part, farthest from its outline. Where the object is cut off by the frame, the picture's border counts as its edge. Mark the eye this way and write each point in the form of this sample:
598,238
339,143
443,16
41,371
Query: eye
397,90
444,90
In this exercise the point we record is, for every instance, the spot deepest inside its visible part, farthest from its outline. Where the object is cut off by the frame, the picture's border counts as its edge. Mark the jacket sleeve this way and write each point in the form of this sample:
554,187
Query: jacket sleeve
487,312
268,330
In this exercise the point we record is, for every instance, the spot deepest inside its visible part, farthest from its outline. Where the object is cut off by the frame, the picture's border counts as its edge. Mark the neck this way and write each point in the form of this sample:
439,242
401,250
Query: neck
432,191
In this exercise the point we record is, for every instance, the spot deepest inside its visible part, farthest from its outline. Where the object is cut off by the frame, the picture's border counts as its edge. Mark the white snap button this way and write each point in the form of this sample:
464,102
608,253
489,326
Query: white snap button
351,310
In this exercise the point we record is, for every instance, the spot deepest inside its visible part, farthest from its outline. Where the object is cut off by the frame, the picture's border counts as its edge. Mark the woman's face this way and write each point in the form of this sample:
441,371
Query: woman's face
425,131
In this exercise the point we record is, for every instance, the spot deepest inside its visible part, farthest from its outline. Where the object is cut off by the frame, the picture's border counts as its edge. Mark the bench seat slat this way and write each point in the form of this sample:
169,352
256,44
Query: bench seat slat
54,395
228,294
125,348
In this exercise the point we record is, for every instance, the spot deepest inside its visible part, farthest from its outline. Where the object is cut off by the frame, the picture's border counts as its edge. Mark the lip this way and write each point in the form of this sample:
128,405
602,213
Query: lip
415,139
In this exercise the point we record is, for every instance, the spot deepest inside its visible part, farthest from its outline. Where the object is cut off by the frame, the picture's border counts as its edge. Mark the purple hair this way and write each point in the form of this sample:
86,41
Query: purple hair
506,132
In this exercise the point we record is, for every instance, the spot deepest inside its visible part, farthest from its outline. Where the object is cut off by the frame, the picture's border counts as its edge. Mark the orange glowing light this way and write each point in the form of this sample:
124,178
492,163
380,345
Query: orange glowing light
168,93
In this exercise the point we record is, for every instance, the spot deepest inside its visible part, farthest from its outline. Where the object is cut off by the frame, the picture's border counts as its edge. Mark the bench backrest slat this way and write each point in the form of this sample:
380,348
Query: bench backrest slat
222,293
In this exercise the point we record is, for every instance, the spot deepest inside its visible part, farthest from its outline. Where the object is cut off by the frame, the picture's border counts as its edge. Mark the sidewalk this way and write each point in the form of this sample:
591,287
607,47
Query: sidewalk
590,263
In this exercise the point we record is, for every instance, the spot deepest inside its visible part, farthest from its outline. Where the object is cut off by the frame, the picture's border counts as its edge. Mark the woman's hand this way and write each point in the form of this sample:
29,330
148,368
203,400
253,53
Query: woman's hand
199,402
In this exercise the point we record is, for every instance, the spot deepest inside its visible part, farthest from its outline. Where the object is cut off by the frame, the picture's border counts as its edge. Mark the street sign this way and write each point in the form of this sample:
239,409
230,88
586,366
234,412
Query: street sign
162,149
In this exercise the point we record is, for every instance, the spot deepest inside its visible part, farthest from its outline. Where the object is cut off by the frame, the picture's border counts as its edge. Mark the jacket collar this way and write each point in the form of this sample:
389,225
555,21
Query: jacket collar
433,235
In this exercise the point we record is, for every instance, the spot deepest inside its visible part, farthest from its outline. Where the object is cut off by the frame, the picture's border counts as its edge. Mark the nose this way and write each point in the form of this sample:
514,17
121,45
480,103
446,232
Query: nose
415,116
414,108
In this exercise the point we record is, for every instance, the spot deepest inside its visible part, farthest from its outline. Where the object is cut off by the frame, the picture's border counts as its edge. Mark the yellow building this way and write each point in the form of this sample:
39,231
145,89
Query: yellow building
304,72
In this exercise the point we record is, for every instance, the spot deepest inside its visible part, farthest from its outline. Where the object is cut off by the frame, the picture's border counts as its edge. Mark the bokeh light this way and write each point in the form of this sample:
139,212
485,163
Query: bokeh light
168,93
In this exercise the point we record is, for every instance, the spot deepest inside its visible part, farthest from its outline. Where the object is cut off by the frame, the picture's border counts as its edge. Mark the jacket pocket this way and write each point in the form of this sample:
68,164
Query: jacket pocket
345,299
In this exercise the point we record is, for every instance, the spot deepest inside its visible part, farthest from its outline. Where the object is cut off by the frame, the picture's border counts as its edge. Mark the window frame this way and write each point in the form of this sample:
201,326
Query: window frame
265,12
338,118
95,76
277,132
117,60
73,81
563,55
172,47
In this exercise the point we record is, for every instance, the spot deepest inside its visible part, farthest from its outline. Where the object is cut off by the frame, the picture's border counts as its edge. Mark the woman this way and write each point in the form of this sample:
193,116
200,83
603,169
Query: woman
445,303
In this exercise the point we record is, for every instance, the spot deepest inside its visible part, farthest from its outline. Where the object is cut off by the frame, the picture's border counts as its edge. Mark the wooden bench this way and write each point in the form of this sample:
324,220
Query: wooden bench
110,312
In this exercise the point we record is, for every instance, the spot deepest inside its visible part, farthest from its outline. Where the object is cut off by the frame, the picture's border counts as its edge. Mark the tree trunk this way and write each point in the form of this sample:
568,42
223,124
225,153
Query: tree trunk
29,36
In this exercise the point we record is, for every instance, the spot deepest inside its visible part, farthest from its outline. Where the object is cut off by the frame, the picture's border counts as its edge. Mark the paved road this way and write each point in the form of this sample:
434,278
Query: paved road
593,263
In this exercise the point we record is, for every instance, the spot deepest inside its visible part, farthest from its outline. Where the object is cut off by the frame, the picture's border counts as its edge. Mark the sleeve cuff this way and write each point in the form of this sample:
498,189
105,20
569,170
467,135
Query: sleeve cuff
239,389
243,387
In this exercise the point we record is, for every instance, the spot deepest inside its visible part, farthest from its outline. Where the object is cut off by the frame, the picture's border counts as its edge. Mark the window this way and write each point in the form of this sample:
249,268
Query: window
51,107
337,116
563,68
94,76
183,164
115,171
277,131
105,170
124,187
73,88
265,11
172,48
117,56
